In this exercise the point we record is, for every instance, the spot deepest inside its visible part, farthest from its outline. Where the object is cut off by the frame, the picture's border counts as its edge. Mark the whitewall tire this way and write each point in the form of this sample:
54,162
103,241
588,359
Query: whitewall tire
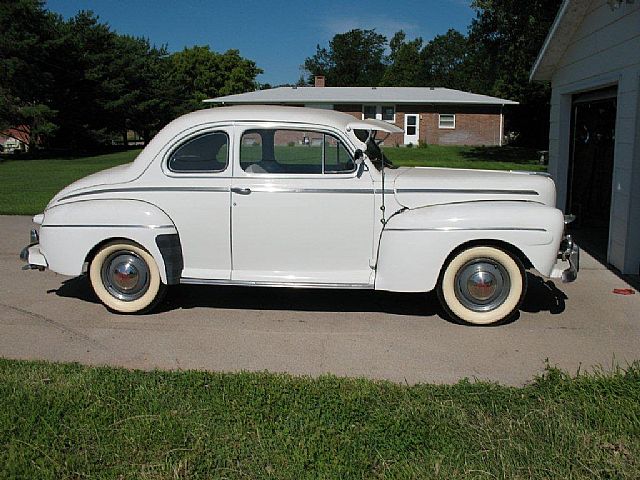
482,285
125,277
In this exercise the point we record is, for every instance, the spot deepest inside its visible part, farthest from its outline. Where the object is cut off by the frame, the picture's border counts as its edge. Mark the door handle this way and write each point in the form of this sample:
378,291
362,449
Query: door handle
241,191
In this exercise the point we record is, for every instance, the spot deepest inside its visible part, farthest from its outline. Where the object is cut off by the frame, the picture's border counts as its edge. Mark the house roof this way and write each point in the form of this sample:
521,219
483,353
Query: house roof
19,134
277,113
569,17
345,95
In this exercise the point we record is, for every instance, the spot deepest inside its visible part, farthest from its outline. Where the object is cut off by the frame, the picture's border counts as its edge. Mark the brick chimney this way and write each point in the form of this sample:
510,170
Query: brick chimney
319,81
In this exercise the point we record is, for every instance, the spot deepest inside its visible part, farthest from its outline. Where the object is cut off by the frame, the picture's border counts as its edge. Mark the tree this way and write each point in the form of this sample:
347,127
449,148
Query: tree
197,73
84,82
505,38
27,68
137,98
445,61
354,58
78,85
405,68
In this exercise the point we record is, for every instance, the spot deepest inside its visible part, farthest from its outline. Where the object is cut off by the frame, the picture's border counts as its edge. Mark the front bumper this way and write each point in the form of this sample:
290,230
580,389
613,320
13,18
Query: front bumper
568,264
32,255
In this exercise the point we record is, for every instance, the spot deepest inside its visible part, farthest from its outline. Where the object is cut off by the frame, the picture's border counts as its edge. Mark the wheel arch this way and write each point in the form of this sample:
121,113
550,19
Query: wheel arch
488,242
98,246
170,249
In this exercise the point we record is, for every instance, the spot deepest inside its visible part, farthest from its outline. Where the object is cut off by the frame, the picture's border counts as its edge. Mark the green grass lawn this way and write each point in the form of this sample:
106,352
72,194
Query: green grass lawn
68,421
491,158
26,186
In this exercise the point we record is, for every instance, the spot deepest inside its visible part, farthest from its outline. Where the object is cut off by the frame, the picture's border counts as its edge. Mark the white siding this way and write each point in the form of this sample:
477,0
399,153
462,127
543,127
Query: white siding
604,51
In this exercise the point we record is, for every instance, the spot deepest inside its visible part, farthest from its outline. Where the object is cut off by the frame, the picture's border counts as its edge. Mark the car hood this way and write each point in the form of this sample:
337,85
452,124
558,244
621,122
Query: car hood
422,186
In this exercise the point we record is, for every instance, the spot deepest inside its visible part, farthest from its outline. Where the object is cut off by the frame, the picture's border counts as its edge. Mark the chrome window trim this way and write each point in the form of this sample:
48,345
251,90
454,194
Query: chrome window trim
191,139
250,128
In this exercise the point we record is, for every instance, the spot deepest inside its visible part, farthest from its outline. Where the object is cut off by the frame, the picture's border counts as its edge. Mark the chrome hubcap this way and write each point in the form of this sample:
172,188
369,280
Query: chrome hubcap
482,285
125,275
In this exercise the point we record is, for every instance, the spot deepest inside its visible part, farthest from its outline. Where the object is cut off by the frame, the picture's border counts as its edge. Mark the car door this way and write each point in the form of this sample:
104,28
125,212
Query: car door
301,213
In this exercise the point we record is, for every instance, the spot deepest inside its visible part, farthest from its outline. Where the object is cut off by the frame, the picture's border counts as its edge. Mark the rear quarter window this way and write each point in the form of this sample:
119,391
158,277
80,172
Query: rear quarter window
205,153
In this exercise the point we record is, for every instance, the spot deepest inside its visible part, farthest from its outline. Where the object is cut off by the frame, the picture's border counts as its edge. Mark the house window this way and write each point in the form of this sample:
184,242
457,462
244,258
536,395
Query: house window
369,111
388,113
447,120
379,112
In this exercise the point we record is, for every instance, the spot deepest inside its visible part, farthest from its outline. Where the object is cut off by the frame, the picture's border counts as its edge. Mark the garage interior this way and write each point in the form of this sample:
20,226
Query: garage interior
590,176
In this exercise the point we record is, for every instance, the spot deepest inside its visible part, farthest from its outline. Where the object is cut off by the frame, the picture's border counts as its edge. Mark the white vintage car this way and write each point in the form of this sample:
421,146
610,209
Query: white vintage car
299,197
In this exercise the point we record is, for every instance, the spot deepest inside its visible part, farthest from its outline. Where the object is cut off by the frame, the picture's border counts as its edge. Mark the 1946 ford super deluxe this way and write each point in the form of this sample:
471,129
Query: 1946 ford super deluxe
299,197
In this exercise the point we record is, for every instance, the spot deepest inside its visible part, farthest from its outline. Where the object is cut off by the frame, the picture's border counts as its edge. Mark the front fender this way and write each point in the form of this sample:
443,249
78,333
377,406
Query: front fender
71,231
415,244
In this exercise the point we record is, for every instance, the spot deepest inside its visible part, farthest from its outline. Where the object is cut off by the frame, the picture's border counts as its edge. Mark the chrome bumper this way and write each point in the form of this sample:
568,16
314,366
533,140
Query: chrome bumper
568,264
569,252
32,254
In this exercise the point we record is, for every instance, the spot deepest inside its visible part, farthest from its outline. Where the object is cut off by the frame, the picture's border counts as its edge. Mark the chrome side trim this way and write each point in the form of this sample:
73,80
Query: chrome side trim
463,229
147,189
249,283
302,190
153,227
473,191
311,190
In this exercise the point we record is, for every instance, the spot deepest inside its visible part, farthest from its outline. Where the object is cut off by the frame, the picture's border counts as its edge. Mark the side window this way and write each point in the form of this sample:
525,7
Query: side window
337,158
293,151
205,153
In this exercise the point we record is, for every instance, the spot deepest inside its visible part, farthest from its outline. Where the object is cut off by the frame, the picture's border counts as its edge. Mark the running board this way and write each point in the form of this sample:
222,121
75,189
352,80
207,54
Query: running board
250,283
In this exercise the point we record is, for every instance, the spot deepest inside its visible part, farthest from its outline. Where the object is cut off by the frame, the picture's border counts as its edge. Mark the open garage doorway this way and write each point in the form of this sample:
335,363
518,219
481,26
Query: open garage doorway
591,168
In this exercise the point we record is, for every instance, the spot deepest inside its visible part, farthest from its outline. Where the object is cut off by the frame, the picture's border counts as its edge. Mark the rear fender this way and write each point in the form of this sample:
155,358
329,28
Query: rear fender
72,232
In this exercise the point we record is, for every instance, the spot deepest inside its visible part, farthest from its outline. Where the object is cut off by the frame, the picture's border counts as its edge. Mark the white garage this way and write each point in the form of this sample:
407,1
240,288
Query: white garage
592,58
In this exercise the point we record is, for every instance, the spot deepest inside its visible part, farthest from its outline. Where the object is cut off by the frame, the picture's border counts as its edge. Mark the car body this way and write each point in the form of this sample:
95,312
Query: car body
300,197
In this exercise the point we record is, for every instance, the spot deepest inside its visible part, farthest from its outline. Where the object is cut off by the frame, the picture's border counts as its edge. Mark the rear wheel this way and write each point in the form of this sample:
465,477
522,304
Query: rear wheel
482,285
125,277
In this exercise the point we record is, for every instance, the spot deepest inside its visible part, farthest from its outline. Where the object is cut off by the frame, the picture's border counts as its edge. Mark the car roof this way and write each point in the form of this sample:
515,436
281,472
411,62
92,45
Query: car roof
266,113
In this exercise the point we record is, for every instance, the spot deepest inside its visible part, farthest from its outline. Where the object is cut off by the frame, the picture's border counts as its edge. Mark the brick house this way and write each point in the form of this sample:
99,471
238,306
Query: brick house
439,116
15,140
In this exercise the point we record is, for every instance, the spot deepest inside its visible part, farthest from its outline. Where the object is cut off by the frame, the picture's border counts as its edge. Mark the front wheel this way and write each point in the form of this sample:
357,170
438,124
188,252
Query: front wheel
482,285
125,277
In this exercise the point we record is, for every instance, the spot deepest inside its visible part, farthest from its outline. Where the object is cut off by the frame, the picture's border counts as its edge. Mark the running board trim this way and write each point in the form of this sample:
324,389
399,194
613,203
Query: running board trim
250,283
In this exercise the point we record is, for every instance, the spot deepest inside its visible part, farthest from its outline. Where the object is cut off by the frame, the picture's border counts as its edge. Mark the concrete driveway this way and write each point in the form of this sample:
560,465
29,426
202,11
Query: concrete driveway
398,337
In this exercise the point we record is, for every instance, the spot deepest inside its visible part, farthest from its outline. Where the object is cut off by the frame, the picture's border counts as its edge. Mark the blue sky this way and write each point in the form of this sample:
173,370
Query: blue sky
278,35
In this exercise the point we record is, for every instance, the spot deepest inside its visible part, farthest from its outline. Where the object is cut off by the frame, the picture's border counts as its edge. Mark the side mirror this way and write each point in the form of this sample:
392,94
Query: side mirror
358,157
